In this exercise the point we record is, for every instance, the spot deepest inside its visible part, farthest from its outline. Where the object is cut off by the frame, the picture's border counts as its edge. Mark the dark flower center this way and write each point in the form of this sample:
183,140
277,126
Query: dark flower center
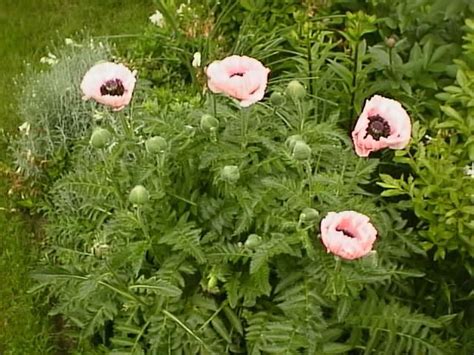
378,127
346,232
112,87
237,74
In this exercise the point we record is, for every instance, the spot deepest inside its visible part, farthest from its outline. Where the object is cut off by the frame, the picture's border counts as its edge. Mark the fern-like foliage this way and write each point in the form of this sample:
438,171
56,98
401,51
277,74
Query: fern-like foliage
392,328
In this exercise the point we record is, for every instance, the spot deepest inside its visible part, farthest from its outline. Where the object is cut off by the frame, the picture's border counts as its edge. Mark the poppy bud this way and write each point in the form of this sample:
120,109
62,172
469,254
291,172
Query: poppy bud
139,195
212,282
309,215
155,145
295,90
209,123
277,99
291,141
390,42
100,137
230,173
253,241
301,151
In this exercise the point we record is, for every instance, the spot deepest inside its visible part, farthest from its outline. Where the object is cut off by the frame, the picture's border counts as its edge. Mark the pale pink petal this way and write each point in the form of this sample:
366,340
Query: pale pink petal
362,234
101,73
239,77
393,114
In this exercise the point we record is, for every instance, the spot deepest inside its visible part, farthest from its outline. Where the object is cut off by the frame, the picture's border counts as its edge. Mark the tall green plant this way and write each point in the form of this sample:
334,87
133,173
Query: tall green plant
213,255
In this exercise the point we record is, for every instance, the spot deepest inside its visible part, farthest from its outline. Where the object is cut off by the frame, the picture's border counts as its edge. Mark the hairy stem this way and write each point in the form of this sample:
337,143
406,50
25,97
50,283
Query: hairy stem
354,78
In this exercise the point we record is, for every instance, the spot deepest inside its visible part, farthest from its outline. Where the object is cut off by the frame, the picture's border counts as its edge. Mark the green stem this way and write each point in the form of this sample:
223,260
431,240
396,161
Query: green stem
214,105
301,114
354,78
390,55
337,267
142,224
204,325
309,174
244,126
125,126
310,61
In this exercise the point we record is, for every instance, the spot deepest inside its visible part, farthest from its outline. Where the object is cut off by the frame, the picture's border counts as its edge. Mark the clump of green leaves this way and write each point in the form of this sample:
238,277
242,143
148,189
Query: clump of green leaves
440,187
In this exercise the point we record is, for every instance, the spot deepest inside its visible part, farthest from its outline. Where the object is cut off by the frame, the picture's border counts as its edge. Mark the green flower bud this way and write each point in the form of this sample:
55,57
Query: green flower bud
155,145
291,141
100,137
230,173
295,90
309,215
139,195
209,123
301,151
390,42
212,282
253,241
277,99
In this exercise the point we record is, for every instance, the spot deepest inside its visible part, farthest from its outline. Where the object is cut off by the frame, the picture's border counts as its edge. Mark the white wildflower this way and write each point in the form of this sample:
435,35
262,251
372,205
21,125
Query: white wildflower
25,128
469,170
100,249
181,9
157,19
51,59
98,115
196,60
72,43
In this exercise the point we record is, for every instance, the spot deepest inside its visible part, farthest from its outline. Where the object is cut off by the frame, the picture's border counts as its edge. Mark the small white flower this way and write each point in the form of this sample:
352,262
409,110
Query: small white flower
69,42
98,115
181,9
157,19
29,156
25,128
100,249
469,170
196,60
51,59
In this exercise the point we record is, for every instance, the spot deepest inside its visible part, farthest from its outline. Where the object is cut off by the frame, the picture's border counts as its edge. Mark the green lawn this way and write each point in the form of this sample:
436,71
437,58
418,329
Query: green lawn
28,31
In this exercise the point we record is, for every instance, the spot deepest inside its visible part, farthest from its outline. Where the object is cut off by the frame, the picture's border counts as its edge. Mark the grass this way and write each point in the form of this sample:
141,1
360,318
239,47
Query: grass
29,29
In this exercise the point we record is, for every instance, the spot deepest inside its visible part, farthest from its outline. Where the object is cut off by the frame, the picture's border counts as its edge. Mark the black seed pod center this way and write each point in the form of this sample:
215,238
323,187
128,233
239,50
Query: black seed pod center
112,87
237,74
346,232
378,127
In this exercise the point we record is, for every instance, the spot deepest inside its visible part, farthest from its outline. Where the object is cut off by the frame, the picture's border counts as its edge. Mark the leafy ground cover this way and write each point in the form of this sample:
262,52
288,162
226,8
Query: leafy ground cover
188,224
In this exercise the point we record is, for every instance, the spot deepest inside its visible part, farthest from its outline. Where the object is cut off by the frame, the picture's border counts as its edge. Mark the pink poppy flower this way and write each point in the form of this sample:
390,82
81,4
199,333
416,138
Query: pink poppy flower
383,123
109,84
348,234
242,78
